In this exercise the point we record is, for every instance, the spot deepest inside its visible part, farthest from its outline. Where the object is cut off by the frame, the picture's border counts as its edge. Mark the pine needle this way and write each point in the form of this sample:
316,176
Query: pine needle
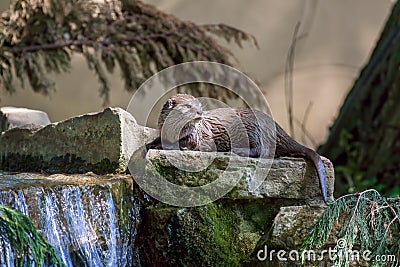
370,222
28,246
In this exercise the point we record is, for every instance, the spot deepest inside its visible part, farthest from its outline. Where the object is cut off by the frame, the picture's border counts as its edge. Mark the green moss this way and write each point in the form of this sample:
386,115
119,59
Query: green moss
62,164
124,204
186,178
201,236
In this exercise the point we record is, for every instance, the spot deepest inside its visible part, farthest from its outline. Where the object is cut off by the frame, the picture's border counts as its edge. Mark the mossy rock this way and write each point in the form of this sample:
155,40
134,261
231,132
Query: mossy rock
201,236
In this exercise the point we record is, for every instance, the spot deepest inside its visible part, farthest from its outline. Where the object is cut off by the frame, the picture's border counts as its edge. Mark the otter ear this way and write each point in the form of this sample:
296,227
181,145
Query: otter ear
171,103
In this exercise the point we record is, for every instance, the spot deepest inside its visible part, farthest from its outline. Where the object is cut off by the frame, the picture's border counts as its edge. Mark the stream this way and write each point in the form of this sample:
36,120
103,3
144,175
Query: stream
90,220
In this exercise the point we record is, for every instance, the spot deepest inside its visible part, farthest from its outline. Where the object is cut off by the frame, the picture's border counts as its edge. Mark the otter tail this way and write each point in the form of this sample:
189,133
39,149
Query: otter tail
286,146
320,168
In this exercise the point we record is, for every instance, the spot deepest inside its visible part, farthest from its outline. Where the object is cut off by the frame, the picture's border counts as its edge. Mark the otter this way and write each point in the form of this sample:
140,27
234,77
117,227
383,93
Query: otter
185,126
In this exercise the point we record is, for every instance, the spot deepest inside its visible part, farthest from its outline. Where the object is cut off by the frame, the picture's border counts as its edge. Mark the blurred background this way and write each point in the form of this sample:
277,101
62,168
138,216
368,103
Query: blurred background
339,38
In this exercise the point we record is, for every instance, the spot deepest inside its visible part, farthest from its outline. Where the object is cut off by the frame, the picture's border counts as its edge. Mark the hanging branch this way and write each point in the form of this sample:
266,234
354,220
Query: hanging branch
38,38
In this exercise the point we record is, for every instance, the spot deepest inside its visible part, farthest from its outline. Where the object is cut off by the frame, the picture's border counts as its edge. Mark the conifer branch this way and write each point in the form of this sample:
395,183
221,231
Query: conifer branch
38,38
28,246
367,220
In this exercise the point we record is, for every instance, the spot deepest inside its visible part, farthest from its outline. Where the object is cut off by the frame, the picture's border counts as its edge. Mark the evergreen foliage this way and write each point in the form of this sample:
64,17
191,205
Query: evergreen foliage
368,222
39,37
28,246
363,142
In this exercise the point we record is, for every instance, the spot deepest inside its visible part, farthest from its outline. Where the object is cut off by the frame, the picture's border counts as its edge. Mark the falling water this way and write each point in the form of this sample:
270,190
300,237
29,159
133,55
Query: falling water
90,220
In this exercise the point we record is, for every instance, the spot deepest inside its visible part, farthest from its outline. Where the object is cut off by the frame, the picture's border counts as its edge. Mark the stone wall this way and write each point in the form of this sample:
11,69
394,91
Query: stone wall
227,232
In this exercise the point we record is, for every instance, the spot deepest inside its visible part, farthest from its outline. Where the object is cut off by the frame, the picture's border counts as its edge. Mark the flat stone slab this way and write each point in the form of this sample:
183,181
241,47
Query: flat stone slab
12,117
283,178
101,142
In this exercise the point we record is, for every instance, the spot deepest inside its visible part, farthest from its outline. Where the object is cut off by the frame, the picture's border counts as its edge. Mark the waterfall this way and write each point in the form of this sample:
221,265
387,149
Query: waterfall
90,220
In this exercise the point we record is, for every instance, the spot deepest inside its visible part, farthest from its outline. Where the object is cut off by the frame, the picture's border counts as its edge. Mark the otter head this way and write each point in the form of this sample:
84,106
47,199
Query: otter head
179,114
181,107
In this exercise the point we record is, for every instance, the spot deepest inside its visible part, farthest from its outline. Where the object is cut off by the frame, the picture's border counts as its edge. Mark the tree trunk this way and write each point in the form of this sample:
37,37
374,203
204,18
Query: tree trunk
364,141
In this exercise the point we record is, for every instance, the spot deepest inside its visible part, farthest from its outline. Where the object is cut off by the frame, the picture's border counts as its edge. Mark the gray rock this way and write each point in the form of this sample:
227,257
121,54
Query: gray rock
285,178
100,142
292,223
12,117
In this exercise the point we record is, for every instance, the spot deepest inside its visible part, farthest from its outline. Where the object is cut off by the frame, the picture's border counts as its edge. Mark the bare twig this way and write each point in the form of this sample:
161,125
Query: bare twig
289,75
361,194
305,117
306,133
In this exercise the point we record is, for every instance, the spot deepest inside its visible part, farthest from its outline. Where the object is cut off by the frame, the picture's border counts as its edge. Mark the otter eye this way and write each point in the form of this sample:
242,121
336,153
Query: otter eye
188,106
